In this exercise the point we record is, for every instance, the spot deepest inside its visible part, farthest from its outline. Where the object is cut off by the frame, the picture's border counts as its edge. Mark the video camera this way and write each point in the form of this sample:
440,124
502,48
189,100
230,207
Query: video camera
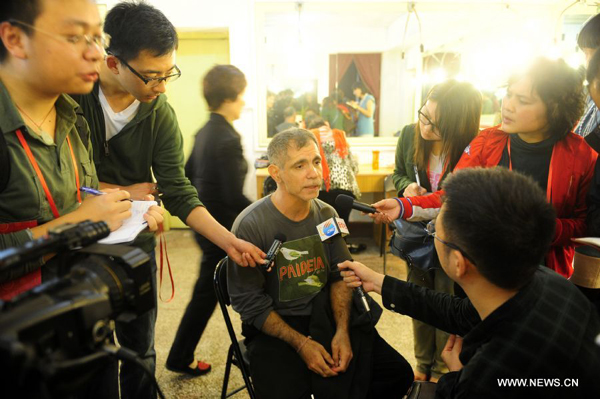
48,333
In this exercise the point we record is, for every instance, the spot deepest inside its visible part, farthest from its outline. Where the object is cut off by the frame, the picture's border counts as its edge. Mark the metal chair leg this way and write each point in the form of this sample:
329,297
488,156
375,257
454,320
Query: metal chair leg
227,372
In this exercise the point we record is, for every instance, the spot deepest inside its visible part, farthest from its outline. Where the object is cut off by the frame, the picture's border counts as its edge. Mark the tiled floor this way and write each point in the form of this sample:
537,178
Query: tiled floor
184,255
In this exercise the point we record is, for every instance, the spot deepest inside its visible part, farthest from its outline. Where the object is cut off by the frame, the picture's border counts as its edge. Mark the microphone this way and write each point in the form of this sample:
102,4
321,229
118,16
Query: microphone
274,250
333,227
347,202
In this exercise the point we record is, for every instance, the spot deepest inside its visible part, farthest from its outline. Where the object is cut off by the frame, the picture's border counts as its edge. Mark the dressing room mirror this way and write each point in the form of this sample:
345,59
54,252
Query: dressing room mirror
311,54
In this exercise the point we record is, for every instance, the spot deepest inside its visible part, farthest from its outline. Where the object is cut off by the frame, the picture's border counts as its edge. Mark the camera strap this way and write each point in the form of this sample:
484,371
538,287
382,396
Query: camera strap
40,175
163,243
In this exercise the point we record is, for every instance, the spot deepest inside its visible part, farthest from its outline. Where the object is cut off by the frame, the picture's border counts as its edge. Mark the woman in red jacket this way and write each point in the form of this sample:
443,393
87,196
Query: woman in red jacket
539,111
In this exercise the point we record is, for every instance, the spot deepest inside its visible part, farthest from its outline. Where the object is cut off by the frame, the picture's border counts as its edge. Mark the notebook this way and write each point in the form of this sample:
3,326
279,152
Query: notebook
132,226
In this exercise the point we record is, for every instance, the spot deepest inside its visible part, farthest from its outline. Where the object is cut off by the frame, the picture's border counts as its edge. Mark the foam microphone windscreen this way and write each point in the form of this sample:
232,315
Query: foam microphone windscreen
344,202
281,237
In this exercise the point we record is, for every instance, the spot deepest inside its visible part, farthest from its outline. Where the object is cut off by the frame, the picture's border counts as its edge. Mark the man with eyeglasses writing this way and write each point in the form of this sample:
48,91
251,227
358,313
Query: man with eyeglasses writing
48,48
135,136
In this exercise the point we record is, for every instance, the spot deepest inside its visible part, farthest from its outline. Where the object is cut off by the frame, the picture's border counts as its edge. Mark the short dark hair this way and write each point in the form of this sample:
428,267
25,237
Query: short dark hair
221,83
21,10
359,85
502,220
289,111
137,26
589,35
316,122
560,87
593,69
296,137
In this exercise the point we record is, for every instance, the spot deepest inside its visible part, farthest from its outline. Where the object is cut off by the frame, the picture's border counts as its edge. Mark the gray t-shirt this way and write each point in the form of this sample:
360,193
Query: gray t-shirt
303,267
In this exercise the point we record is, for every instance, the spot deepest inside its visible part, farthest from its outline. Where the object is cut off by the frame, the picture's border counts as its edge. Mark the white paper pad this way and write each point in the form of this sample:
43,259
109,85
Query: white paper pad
132,226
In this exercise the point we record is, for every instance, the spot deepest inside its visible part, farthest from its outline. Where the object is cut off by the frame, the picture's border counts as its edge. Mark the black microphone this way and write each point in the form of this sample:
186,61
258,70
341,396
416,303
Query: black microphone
347,202
327,212
274,250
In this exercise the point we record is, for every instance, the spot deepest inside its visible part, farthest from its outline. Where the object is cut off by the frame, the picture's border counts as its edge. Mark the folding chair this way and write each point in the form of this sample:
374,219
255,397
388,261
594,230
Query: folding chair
388,190
237,353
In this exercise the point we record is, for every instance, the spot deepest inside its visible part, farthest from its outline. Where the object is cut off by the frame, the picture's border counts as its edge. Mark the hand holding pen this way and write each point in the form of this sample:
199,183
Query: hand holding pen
93,191
154,216
112,206
414,189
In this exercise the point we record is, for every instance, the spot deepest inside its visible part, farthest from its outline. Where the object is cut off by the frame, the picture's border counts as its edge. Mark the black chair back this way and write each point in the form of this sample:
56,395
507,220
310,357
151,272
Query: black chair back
236,349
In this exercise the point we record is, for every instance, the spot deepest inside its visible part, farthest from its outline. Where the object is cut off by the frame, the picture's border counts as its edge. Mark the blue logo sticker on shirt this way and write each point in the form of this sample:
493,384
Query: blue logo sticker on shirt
468,149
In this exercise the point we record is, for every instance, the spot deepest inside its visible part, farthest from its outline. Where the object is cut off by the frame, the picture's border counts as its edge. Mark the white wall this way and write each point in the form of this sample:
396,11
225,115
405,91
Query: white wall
454,25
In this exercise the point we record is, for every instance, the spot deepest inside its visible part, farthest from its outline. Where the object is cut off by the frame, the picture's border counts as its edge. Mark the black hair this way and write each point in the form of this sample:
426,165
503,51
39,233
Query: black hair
560,87
316,122
21,10
361,86
589,35
137,26
221,83
593,69
500,219
289,111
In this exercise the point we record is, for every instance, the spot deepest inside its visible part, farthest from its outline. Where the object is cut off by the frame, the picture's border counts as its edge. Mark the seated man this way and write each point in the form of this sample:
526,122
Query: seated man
527,331
298,319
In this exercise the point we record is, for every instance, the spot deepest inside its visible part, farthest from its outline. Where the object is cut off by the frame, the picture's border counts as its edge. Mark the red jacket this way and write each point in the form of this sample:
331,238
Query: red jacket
573,169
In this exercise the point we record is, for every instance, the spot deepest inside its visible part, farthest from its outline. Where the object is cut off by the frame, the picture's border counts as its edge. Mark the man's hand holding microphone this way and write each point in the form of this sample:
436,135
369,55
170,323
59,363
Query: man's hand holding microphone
356,274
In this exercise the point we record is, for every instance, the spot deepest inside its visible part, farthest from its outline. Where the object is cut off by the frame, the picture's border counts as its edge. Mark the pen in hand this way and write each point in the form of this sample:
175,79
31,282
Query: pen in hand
93,191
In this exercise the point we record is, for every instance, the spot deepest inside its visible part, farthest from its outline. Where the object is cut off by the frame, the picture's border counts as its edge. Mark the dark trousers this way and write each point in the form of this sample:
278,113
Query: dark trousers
138,335
279,372
330,196
199,309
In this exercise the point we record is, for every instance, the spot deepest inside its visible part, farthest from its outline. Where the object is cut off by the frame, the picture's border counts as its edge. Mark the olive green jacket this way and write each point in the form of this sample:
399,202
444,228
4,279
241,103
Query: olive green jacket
404,172
147,148
24,199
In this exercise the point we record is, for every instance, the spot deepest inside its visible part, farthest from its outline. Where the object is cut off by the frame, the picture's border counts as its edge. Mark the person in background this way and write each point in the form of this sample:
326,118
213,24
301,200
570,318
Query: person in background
348,112
426,153
48,48
217,168
540,109
593,139
289,121
588,41
271,114
365,126
331,114
136,138
523,331
339,165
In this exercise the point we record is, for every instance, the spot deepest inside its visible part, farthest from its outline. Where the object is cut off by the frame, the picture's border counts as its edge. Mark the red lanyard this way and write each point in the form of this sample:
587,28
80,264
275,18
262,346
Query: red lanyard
549,186
41,176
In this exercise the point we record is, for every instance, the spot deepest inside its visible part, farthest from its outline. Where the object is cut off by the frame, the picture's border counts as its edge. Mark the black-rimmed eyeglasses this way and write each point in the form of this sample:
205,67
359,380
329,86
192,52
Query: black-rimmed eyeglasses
151,82
431,231
425,120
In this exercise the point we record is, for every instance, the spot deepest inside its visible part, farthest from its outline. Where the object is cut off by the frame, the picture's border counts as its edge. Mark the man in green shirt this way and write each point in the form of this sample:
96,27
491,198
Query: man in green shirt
47,48
136,137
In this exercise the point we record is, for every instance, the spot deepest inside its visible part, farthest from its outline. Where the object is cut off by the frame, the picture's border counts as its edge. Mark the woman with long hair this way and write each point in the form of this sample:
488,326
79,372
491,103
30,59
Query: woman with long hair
426,153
